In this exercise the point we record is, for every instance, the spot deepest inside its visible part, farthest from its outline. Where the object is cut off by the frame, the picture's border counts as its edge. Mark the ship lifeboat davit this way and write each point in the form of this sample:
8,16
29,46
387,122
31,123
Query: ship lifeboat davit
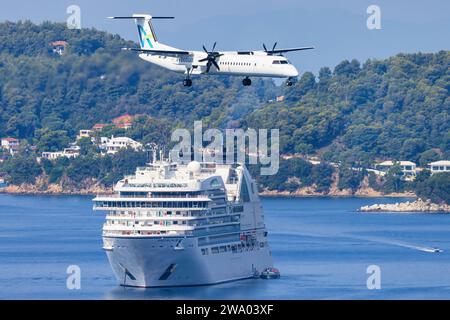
270,273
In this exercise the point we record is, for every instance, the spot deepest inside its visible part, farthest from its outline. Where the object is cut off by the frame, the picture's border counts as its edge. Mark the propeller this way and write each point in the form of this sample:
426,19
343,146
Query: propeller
273,48
211,58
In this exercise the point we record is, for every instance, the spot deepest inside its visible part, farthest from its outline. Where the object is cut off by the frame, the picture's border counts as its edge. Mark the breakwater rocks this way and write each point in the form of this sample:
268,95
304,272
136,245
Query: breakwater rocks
415,206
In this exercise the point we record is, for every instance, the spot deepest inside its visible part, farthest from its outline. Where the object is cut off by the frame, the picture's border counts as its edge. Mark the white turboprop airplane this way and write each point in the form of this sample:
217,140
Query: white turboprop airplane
259,63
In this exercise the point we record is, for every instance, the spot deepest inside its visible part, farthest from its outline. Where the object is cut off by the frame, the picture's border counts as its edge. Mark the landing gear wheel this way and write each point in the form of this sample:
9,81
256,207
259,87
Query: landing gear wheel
290,82
187,82
247,82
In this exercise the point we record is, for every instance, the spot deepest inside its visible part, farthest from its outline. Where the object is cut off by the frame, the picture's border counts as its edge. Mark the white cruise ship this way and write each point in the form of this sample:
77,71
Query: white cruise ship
185,224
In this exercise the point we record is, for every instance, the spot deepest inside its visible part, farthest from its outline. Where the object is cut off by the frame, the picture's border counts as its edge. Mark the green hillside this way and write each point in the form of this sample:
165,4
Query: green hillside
94,81
397,108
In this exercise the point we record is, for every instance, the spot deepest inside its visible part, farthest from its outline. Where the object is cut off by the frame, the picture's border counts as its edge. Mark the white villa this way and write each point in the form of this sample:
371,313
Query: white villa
439,166
72,152
84,134
10,144
409,169
114,144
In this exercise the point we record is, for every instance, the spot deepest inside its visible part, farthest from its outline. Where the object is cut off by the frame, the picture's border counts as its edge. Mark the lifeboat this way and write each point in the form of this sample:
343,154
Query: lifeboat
270,273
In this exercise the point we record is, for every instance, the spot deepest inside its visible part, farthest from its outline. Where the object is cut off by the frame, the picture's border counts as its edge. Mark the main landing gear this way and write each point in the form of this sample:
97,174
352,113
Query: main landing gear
247,82
187,82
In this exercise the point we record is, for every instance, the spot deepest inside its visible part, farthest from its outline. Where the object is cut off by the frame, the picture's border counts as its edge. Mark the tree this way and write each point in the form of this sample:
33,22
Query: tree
22,169
52,140
350,179
436,188
393,180
86,146
427,157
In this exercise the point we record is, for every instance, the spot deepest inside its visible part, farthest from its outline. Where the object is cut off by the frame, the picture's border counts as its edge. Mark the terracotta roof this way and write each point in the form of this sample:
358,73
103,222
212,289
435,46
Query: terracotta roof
99,126
59,43
125,119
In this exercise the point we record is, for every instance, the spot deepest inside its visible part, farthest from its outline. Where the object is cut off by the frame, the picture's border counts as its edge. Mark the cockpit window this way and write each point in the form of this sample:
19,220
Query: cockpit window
280,62
276,61
284,62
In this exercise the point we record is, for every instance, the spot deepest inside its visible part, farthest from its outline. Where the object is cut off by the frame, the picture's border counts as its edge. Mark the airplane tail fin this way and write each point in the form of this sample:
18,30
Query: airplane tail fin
147,35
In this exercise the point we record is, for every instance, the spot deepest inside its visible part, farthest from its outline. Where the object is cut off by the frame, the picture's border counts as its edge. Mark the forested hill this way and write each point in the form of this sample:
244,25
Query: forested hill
94,81
395,108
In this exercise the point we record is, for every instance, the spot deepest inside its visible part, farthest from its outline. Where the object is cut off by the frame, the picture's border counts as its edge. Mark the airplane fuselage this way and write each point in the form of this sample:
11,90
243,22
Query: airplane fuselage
247,64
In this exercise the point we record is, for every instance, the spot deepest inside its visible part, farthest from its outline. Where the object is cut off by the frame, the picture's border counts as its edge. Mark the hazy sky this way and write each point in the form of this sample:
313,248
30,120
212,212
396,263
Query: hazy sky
337,28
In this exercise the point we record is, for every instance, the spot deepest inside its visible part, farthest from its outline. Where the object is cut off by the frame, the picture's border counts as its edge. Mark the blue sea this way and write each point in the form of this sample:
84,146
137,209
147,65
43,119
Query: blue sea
322,246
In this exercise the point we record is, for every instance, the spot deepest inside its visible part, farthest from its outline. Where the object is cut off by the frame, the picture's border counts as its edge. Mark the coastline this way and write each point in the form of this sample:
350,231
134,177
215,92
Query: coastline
95,190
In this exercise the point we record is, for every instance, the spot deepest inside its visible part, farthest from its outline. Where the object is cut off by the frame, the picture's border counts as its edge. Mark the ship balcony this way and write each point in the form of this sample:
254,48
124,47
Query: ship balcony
118,197
172,217
156,227
150,217
116,208
139,233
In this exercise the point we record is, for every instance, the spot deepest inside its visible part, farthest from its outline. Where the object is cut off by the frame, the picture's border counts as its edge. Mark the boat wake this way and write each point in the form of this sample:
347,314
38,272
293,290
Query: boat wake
386,241
400,244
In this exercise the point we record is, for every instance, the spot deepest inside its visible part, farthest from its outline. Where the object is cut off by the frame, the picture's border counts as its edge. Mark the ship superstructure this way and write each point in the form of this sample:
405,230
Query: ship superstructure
176,224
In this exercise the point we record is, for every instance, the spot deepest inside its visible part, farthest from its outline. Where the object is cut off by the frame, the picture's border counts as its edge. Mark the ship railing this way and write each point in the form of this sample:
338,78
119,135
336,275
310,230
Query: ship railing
117,196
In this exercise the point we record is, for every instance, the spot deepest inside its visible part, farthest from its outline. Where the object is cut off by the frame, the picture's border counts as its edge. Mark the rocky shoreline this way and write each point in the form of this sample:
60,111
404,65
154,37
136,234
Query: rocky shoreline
416,206
97,189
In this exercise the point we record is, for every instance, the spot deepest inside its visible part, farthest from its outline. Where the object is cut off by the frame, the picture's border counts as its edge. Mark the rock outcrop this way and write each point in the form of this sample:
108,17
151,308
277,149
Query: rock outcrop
415,206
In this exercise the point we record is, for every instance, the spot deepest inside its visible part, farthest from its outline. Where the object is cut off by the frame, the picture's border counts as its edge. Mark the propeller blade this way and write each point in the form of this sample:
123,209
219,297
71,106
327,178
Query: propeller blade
274,46
203,60
215,64
205,49
264,46
214,46
208,66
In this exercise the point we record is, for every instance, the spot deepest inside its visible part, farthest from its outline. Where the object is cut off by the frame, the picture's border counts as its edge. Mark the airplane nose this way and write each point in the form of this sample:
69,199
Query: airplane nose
292,72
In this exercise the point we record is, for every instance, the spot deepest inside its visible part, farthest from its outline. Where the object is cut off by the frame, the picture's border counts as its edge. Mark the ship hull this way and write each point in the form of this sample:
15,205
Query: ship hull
164,262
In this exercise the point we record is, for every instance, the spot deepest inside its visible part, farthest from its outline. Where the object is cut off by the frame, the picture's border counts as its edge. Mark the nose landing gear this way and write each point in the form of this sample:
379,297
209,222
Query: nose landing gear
247,82
290,82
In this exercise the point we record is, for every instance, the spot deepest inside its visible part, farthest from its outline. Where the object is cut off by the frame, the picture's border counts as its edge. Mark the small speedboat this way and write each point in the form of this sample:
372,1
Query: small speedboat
270,273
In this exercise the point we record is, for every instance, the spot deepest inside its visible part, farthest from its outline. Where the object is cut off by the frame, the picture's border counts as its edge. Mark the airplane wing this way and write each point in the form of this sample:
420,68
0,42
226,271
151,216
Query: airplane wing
161,52
276,51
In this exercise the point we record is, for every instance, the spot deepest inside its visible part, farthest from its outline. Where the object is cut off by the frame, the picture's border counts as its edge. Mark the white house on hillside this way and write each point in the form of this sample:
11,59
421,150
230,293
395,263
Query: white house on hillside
84,134
439,166
10,144
71,152
409,169
114,144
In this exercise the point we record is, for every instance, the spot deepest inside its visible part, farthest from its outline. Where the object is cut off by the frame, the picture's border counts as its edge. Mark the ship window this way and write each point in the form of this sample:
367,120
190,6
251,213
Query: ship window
215,183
